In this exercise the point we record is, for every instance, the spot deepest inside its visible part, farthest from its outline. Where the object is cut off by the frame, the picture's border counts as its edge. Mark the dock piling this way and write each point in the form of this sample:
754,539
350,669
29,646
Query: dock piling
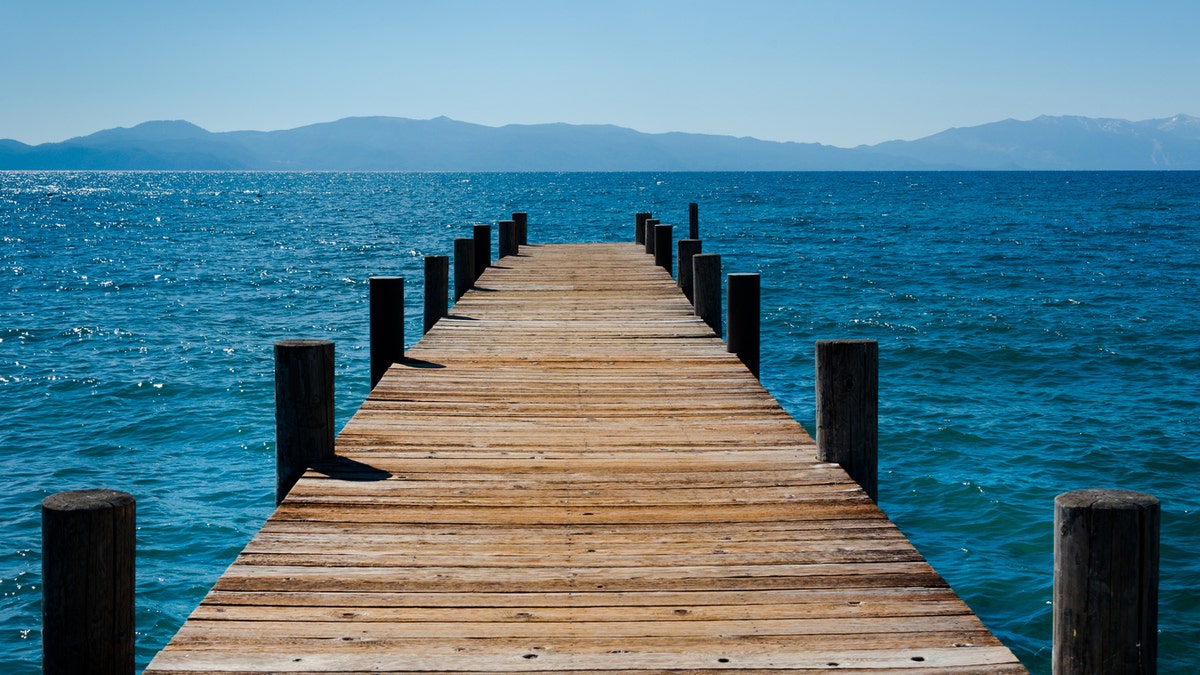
743,321
88,549
687,249
639,227
387,324
464,266
847,406
437,288
648,236
522,220
303,409
1106,555
706,286
663,249
483,248
508,239
693,221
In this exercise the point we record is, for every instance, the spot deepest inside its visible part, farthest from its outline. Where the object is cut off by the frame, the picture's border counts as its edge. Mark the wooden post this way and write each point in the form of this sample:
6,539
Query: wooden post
693,221
639,227
648,237
664,252
687,249
437,287
88,549
464,266
743,322
483,248
706,288
387,324
1105,583
303,409
508,239
522,220
847,384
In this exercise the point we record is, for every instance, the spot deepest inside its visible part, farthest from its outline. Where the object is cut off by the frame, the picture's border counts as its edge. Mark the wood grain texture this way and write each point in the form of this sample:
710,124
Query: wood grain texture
304,407
570,473
88,582
1106,565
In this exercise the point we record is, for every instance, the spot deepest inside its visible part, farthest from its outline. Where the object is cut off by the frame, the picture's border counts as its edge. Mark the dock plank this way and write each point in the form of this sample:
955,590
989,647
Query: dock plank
569,473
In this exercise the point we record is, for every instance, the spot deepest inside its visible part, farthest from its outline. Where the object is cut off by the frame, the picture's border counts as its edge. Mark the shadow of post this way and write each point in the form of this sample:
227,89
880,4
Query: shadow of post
344,468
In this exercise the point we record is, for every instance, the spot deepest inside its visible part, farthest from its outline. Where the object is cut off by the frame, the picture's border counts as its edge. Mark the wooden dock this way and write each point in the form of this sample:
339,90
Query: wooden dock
571,474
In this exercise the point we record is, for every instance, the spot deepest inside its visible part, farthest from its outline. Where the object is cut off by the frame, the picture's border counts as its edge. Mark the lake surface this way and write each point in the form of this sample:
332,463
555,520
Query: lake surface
1038,332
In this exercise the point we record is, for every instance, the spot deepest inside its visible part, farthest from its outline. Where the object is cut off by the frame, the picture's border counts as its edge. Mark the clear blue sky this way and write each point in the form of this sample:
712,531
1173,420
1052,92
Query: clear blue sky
839,72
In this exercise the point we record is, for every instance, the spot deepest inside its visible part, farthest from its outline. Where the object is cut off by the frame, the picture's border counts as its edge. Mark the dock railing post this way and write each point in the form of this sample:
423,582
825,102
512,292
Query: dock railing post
744,321
693,221
706,287
847,407
508,239
437,288
464,266
88,549
664,250
648,236
387,324
687,249
1106,556
303,409
483,248
639,228
521,218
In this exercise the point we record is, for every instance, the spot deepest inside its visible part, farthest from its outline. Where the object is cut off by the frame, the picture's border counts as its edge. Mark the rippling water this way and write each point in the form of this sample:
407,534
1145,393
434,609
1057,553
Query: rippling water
1039,332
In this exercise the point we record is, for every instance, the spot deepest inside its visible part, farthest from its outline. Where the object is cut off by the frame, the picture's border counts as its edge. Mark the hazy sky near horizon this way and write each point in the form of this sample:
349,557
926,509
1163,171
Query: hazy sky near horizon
837,72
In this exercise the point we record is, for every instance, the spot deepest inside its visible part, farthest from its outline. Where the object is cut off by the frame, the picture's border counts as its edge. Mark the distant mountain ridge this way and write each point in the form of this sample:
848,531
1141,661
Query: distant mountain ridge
1062,143
443,144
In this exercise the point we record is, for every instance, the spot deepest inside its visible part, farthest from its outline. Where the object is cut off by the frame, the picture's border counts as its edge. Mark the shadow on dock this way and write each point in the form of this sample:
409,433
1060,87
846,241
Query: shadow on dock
344,468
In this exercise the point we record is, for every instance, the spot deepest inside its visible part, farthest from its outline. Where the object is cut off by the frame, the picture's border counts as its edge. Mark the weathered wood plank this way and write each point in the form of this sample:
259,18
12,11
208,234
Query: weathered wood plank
728,644
912,661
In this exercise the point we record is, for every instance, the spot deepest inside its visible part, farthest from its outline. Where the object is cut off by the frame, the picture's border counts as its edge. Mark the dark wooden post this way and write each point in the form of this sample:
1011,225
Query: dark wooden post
464,266
508,239
706,288
303,409
693,221
483,248
437,287
651,223
687,249
743,322
639,227
387,324
1105,583
88,549
522,220
664,251
847,384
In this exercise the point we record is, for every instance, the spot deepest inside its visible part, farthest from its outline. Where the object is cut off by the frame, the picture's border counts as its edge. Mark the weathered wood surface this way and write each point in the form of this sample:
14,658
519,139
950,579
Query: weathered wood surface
88,582
571,474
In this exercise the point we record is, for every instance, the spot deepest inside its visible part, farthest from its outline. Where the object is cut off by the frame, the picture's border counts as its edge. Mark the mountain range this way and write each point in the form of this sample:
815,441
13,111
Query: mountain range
443,144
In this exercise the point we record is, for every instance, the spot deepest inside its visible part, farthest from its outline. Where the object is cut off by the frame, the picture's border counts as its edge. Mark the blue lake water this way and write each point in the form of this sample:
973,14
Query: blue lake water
1039,332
